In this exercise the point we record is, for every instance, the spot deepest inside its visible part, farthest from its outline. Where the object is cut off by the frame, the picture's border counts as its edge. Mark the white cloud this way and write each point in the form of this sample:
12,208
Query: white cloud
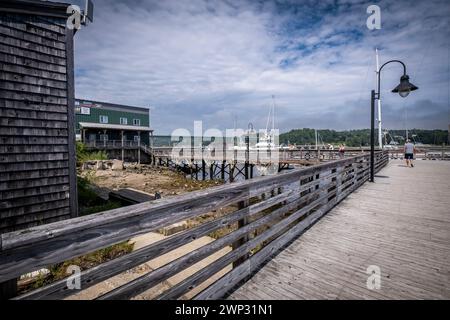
202,60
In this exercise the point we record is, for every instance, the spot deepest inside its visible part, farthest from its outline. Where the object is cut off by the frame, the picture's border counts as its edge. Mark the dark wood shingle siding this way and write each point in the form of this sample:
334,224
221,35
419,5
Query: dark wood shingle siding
36,169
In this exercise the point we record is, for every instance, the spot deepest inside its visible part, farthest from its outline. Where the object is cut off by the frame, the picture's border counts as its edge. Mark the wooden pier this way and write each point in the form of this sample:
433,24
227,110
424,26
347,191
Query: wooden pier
400,223
310,233
266,214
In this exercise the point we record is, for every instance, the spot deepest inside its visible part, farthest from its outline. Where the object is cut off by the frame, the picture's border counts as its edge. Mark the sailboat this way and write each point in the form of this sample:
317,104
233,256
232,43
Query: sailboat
267,139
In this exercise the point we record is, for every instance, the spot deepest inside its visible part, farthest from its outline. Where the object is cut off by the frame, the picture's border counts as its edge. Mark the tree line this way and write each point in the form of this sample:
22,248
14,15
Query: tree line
361,137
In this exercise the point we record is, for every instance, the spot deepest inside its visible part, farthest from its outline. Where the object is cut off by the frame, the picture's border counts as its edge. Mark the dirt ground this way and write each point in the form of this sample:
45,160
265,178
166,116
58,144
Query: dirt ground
148,179
166,182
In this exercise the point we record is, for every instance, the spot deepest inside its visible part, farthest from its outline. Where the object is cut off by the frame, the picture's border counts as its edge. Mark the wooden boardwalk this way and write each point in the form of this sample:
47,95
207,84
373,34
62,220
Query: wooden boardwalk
401,224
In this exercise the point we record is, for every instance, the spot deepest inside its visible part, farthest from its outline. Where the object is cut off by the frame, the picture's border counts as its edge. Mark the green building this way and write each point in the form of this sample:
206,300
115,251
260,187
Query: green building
105,124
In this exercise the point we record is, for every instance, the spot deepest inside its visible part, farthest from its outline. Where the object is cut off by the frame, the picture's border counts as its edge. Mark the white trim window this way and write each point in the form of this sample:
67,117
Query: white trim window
136,122
103,119
123,120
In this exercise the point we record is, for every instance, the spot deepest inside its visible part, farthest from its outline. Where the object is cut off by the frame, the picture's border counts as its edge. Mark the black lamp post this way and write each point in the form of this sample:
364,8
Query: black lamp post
403,89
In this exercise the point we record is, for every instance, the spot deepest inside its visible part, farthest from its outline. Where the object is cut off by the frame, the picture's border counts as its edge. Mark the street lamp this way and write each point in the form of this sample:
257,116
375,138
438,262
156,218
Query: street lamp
403,89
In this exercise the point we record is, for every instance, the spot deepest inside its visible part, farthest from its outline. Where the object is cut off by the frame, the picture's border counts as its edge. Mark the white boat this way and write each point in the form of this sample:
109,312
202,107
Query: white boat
267,139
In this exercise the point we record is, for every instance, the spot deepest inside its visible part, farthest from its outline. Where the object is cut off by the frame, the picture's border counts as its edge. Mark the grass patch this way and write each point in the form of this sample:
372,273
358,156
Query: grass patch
84,155
89,202
59,271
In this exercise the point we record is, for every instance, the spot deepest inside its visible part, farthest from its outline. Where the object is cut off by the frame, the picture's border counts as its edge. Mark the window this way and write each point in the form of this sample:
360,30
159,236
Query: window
103,119
104,137
123,121
137,138
137,122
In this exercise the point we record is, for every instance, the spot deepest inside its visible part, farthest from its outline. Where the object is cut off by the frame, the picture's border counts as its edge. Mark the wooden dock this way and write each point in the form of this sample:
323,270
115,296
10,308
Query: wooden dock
400,223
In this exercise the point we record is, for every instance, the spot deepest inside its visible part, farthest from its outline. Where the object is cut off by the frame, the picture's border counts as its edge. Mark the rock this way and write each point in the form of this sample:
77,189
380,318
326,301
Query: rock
117,165
99,165
85,166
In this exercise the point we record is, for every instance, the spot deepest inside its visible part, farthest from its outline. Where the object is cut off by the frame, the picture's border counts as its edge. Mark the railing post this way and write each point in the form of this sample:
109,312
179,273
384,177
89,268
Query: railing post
244,239
203,170
8,289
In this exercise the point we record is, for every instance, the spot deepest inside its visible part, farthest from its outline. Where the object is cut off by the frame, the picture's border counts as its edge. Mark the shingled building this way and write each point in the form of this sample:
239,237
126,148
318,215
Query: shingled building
37,154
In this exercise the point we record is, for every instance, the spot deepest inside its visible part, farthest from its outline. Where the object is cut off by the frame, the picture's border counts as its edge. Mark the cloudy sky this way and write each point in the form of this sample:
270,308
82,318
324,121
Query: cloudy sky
218,61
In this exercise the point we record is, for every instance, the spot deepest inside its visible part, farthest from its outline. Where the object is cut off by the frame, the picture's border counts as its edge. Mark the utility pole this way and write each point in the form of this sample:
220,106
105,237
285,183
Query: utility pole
380,140
315,131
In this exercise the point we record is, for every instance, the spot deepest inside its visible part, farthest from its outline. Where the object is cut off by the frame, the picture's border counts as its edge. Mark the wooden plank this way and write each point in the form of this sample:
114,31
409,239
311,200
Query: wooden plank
131,195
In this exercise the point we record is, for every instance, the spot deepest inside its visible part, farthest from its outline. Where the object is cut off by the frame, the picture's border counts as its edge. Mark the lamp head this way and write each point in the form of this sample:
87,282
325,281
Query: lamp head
405,87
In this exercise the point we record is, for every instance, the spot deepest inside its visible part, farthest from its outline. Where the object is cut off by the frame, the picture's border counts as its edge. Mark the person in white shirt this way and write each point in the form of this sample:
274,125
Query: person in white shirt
409,153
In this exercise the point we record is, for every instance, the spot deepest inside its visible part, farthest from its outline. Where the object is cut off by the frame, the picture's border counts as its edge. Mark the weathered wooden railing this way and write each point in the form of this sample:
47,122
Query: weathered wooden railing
292,202
283,154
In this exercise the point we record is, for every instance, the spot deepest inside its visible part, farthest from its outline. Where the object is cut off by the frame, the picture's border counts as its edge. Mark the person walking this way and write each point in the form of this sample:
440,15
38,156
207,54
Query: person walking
341,150
410,149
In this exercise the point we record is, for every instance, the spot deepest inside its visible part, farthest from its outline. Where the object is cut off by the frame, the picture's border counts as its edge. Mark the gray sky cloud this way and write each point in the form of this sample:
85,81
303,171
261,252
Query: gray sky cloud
217,60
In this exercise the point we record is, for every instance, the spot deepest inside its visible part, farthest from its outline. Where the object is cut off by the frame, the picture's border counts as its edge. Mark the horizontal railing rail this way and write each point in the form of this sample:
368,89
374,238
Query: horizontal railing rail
111,143
268,212
284,155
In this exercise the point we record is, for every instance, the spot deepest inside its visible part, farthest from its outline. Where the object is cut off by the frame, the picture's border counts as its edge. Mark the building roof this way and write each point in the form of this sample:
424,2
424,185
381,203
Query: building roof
35,7
112,106
106,126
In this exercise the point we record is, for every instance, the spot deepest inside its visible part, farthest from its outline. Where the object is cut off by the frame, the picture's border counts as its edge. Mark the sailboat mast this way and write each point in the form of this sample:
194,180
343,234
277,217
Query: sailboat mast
268,121
273,113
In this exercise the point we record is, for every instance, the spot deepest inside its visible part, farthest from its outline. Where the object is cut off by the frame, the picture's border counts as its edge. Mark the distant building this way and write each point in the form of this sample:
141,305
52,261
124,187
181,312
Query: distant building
104,123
